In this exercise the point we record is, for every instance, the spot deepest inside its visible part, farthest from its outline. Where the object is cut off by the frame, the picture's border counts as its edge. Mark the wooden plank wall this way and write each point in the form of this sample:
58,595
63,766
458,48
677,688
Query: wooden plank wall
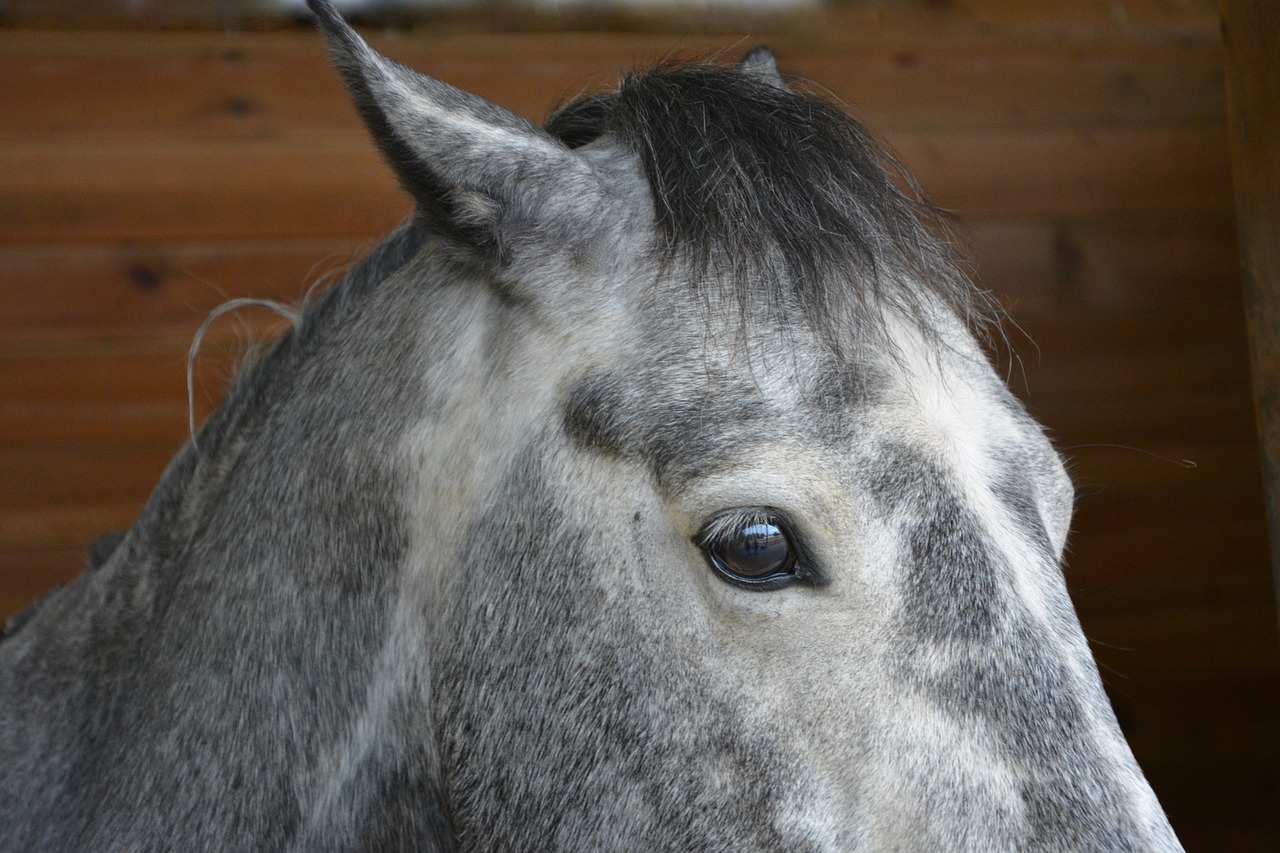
1251,36
147,176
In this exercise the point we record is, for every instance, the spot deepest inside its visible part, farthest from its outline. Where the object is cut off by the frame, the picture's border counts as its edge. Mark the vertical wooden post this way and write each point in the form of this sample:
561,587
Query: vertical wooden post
1251,32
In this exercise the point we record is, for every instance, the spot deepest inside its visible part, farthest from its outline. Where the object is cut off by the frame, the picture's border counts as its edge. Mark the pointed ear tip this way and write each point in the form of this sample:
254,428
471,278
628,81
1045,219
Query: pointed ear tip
760,57
761,61
343,41
326,14
763,65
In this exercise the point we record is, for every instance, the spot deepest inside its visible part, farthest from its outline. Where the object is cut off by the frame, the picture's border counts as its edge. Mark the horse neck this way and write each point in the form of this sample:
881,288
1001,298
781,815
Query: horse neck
266,562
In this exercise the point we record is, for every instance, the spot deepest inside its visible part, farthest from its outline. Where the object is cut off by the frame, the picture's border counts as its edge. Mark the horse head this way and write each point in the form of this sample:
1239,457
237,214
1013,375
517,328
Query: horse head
648,489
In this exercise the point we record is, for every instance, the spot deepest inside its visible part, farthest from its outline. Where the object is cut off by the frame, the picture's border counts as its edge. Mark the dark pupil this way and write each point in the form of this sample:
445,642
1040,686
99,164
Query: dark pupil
756,551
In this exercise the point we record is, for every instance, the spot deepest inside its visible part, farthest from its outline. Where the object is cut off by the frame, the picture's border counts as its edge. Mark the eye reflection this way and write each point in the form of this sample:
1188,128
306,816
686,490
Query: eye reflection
750,548
755,551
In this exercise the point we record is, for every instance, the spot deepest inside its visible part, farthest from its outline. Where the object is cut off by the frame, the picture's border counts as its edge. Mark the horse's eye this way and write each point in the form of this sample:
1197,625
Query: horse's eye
750,548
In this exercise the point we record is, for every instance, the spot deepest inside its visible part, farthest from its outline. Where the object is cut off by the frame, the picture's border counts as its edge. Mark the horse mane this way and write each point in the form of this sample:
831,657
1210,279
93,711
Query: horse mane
781,194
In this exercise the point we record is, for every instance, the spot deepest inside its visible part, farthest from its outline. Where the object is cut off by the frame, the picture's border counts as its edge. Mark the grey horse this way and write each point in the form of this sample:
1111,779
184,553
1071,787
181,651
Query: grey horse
647,490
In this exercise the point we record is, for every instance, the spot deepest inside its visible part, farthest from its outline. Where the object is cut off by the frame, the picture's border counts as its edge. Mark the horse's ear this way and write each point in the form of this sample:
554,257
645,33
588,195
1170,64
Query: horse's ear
464,160
763,65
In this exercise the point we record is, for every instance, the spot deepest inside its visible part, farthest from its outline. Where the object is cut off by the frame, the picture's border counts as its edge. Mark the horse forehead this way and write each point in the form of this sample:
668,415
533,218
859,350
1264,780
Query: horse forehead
688,410
708,399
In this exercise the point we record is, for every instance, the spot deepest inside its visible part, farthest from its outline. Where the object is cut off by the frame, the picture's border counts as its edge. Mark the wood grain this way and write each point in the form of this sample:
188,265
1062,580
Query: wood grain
1251,29
335,185
256,84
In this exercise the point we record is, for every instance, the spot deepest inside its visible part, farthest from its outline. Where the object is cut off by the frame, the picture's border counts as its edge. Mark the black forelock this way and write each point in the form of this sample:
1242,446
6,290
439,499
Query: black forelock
778,191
